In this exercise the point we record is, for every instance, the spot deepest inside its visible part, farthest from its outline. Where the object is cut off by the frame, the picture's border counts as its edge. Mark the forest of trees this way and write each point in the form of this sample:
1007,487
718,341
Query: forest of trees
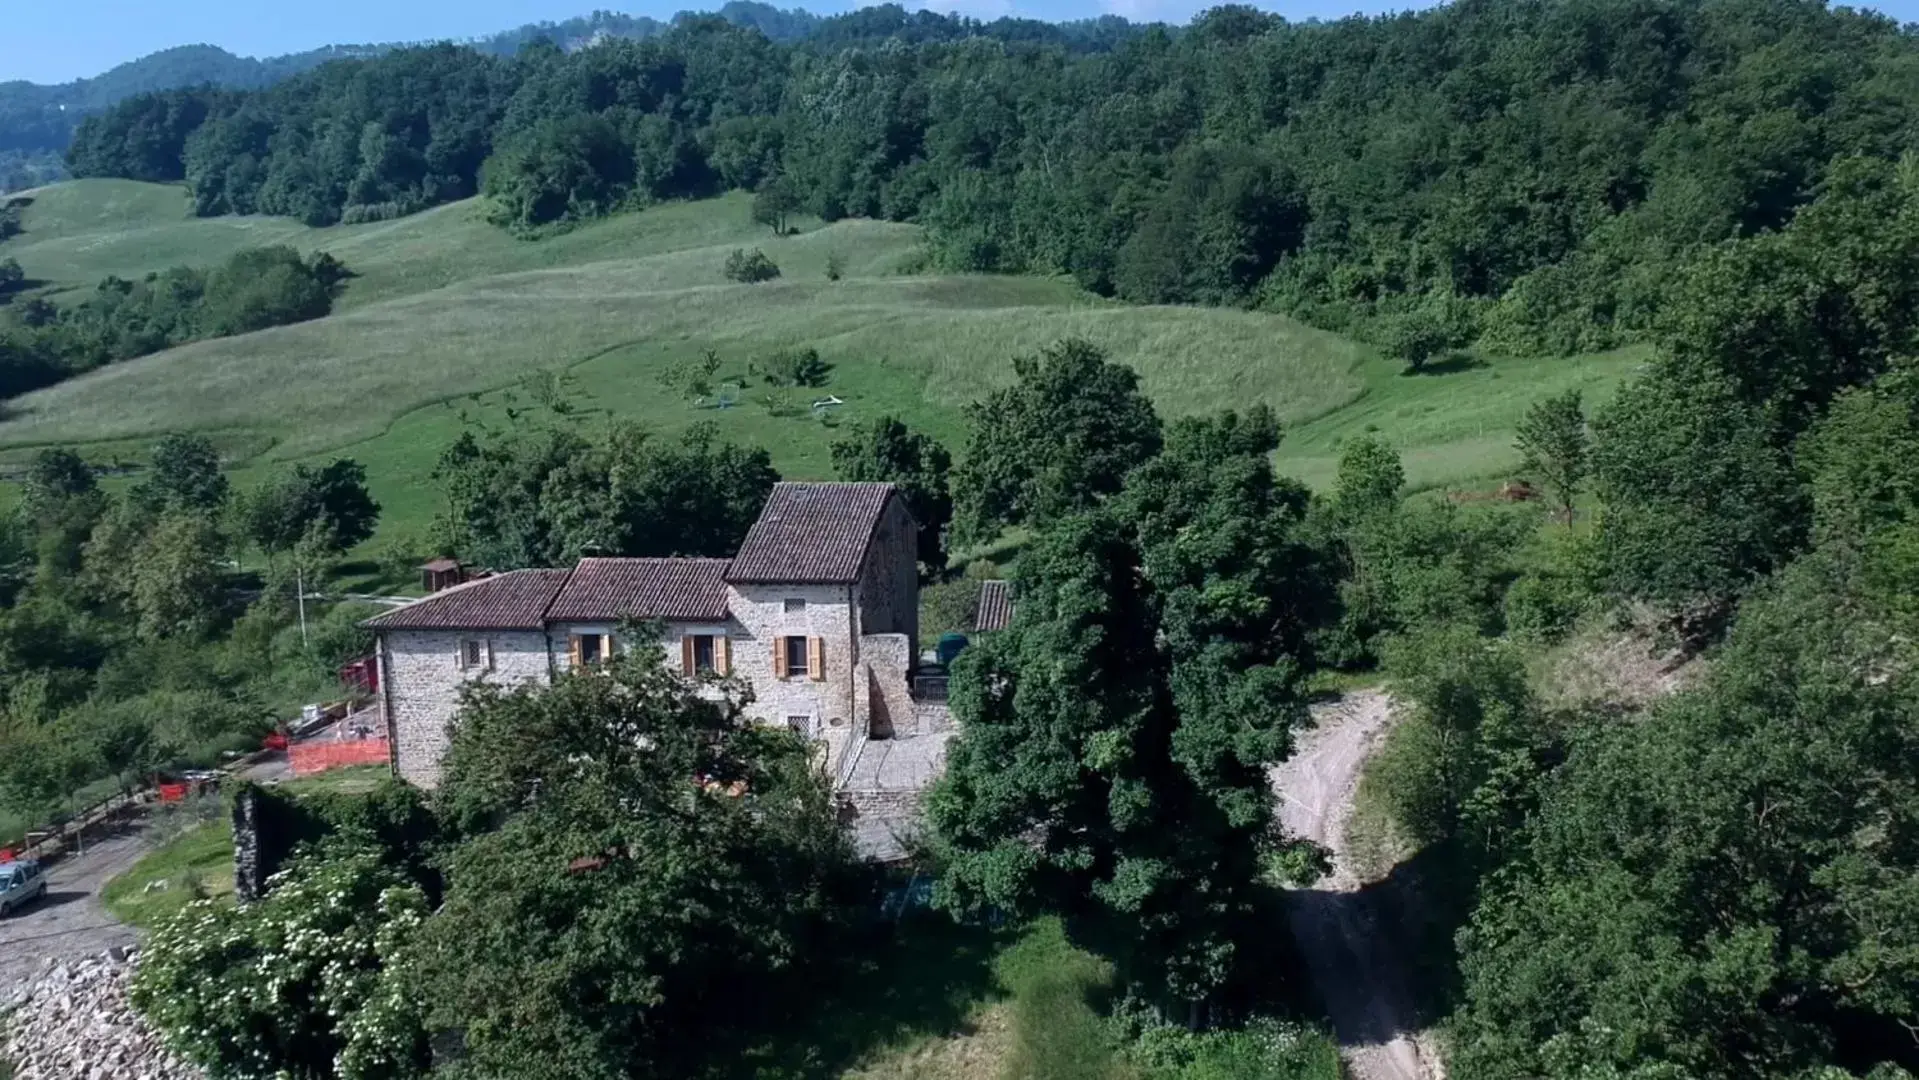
128,641
1525,174
42,342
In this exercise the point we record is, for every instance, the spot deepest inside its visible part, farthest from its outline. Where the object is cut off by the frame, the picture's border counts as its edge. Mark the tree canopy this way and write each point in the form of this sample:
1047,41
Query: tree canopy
633,854
546,496
887,450
1057,441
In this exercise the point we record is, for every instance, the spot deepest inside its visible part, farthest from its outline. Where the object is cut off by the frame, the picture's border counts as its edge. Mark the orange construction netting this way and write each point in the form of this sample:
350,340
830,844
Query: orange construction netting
321,755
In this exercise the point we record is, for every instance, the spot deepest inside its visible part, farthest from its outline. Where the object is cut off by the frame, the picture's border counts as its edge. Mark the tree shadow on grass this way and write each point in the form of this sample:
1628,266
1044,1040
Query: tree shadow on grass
1450,364
921,977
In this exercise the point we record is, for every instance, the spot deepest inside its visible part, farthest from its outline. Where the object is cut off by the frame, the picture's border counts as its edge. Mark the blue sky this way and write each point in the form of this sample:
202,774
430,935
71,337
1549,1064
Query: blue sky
55,42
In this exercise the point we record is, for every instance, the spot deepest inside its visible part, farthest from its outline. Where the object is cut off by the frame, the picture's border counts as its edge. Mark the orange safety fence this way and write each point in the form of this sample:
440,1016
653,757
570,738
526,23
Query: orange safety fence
323,754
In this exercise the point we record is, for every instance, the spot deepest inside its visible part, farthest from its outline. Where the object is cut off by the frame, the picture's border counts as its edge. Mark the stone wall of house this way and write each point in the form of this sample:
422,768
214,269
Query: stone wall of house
423,677
560,636
888,663
759,619
888,591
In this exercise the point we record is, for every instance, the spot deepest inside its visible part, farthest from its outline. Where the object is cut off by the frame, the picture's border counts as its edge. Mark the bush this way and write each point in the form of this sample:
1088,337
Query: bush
750,268
949,607
793,367
1264,1049
301,983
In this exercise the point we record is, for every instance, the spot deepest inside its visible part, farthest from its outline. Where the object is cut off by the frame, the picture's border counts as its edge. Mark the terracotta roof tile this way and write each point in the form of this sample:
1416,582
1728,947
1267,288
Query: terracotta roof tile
683,590
515,600
816,533
995,606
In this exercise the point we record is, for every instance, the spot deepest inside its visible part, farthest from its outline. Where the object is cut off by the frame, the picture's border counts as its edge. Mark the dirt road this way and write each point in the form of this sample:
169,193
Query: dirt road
70,922
1362,984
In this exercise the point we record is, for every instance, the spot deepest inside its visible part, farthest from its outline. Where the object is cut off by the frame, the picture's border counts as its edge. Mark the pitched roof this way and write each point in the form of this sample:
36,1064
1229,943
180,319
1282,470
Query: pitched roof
685,590
815,533
995,606
515,600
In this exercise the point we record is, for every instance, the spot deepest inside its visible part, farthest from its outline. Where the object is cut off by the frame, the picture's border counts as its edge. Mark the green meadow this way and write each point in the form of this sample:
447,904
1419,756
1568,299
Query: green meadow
447,316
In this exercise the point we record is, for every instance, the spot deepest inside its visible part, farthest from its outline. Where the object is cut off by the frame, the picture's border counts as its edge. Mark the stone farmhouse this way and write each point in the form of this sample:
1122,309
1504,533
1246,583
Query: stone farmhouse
818,611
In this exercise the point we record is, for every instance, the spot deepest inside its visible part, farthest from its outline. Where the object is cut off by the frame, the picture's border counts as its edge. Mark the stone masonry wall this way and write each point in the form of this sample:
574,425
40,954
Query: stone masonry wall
888,591
888,660
423,679
759,618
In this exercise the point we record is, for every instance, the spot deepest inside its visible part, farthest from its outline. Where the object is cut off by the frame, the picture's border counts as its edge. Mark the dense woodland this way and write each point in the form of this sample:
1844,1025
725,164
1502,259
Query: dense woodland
1530,175
43,341
1720,883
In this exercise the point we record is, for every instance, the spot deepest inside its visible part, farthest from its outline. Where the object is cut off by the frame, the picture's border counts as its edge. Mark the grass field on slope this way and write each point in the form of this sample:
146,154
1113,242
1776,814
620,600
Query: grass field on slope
448,314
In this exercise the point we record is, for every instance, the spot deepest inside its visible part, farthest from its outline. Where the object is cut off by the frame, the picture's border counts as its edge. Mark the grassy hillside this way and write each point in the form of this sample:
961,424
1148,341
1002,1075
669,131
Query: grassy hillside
448,314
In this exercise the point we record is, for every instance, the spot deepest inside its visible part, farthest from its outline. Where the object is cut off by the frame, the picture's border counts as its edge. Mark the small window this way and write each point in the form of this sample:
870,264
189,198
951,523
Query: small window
796,657
794,607
472,653
800,724
589,649
703,658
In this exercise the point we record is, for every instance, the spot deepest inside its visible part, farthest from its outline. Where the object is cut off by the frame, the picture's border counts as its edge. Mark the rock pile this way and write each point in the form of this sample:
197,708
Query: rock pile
73,1022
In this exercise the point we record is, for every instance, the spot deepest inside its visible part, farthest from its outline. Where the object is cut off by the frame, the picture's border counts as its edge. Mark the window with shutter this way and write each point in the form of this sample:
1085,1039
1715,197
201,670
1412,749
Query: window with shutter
686,656
779,658
723,655
816,659
799,655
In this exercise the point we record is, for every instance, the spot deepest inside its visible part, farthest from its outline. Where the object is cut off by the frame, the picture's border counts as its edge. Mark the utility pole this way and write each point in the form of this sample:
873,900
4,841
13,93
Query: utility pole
300,587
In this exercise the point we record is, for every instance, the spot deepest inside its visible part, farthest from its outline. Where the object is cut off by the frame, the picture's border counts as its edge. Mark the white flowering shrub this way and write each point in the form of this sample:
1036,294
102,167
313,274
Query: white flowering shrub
309,982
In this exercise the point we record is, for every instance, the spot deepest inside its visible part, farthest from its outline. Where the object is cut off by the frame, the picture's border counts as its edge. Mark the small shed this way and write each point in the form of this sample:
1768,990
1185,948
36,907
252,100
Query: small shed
441,574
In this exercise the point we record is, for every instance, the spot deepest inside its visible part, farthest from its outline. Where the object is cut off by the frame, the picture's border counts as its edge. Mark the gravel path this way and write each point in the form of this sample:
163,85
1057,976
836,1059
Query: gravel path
1362,984
69,923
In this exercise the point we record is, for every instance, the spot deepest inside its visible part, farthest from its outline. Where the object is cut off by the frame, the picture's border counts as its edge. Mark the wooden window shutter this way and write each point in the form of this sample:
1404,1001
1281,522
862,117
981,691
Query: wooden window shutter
816,659
686,654
723,655
573,651
779,658
606,647
489,654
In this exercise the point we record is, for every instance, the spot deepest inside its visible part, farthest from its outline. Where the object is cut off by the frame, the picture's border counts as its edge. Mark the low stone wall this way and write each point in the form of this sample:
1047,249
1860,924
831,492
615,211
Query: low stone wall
882,822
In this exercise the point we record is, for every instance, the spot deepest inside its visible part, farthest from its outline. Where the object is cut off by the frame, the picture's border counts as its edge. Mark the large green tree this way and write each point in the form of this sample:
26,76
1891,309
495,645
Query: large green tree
1554,447
1058,440
544,497
1115,739
330,503
1699,501
643,873
184,475
887,450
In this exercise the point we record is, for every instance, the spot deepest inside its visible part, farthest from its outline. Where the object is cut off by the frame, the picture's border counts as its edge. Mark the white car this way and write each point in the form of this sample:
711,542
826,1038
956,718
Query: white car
20,884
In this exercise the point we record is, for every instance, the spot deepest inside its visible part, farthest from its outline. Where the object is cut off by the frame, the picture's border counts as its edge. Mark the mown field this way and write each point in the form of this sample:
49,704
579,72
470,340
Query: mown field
448,315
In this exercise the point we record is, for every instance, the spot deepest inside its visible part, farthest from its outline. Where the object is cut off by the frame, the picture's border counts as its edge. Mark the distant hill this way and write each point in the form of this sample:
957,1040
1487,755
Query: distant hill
37,121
